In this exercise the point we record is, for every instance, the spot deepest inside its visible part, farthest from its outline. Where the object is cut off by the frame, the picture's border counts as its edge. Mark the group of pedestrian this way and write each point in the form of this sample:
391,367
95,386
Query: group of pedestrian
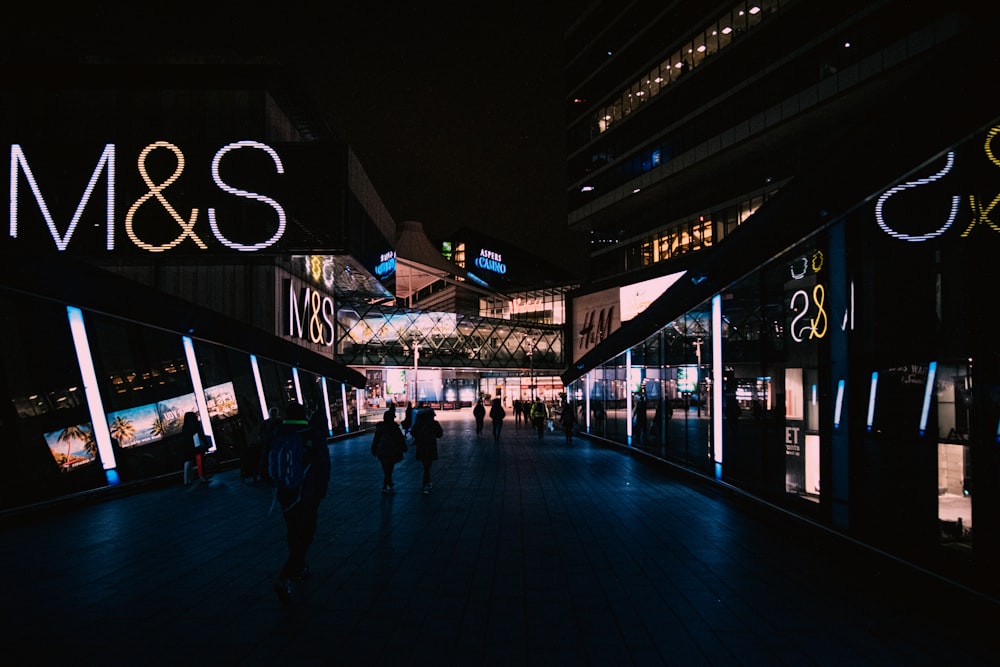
389,443
300,501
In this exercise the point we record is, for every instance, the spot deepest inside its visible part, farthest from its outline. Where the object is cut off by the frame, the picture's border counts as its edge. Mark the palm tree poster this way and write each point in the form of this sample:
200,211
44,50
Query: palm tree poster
172,412
135,426
72,446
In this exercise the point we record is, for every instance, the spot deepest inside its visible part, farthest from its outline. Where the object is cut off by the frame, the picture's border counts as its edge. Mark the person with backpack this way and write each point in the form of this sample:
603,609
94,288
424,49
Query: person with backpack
426,430
388,446
299,467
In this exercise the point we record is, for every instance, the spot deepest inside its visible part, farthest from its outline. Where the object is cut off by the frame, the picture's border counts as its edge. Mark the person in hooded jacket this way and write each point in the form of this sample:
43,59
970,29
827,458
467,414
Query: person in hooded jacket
300,506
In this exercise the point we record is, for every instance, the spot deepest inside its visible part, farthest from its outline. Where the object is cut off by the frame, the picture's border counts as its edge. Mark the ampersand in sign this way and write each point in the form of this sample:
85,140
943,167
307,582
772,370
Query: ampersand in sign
156,190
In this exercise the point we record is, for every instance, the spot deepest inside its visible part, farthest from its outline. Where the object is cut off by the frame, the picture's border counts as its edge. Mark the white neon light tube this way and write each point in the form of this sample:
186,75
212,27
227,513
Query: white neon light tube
260,386
839,405
928,393
98,419
717,372
628,396
298,387
871,400
199,389
326,407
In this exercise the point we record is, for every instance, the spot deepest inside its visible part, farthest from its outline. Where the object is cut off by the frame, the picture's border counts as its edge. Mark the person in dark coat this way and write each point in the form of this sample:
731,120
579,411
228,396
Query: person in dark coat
568,420
388,446
300,507
479,412
426,430
497,413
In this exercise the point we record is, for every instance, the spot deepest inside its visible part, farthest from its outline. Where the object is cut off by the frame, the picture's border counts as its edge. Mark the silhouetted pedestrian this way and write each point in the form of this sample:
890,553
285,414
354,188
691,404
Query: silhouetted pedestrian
388,445
497,413
539,415
479,412
300,505
568,420
426,430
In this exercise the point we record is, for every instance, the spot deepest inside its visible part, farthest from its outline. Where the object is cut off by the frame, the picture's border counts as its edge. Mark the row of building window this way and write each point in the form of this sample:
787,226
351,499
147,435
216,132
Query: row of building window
713,38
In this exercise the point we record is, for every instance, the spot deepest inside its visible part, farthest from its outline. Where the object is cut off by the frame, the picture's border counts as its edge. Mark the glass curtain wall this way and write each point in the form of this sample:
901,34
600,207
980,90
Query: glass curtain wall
860,373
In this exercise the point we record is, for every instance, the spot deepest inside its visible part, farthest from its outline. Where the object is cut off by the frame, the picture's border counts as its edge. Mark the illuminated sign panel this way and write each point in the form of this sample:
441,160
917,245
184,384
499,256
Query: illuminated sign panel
386,265
928,206
490,261
307,314
170,197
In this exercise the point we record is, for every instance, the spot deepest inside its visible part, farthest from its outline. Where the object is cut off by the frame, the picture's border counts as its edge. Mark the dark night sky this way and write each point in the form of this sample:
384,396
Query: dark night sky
457,114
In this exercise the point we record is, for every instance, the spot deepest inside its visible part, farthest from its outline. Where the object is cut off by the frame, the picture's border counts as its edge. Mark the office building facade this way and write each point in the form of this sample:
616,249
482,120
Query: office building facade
791,213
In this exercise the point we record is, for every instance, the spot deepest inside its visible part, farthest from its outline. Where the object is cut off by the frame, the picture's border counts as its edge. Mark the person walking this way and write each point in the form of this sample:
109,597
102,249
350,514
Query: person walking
539,415
517,412
300,505
426,430
479,412
407,418
568,420
195,446
497,413
388,446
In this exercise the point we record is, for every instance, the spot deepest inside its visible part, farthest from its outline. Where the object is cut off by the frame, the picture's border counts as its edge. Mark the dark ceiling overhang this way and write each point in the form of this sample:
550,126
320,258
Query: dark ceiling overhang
76,283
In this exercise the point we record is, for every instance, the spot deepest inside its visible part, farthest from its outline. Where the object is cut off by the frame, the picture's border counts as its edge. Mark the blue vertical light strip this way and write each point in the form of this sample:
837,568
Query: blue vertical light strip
260,386
717,373
359,397
840,404
98,420
628,397
199,389
587,385
928,393
871,400
326,407
298,386
812,394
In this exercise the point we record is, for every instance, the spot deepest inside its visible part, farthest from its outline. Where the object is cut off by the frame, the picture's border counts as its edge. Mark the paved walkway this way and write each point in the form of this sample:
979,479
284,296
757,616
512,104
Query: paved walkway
526,553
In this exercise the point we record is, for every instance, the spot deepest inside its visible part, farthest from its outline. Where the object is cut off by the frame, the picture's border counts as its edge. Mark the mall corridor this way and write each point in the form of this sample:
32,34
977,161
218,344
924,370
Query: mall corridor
524,553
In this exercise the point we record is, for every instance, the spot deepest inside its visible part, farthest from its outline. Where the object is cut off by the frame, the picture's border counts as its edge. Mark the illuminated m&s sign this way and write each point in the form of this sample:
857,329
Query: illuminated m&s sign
157,195
308,314
491,261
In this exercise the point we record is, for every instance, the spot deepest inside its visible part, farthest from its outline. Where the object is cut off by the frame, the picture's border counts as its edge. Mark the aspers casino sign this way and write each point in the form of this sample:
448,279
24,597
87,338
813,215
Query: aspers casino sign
161,197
